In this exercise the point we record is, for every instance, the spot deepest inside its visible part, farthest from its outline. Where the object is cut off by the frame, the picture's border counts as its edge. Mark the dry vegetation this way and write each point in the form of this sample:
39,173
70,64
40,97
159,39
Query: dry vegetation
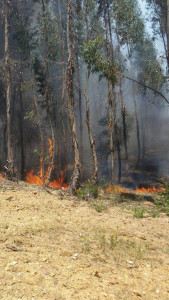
55,246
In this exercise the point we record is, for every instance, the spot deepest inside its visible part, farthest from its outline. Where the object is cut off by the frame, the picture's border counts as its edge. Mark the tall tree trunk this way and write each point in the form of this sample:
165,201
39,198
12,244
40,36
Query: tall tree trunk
70,86
88,121
110,95
138,131
116,134
48,93
80,105
63,89
123,109
8,83
21,126
42,148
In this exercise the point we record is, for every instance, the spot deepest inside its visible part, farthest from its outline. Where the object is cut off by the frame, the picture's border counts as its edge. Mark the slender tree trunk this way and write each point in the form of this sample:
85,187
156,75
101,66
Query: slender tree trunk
123,109
63,89
80,105
116,134
48,93
21,126
110,94
138,132
42,148
70,86
8,83
88,121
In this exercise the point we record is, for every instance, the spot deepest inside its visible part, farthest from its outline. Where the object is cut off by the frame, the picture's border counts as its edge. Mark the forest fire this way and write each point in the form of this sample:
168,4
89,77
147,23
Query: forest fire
32,178
119,189
149,190
1,176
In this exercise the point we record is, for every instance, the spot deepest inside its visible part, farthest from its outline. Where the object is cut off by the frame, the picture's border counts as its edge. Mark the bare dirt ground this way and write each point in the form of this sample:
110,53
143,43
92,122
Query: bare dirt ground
59,247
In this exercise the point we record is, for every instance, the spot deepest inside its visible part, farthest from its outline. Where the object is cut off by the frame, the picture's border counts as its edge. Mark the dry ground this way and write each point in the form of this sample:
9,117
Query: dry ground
59,247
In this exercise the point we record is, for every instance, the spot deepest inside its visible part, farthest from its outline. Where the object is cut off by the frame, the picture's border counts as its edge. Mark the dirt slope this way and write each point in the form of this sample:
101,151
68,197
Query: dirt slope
54,247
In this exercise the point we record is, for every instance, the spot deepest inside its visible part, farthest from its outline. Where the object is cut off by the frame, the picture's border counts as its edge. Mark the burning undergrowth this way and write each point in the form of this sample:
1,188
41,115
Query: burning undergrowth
119,189
32,178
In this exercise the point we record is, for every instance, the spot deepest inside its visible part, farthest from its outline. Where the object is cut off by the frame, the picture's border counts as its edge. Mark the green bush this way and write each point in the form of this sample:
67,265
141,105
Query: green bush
89,190
139,213
162,202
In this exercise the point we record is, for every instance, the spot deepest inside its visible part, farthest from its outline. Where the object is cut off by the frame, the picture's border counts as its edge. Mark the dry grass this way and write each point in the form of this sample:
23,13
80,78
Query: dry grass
55,247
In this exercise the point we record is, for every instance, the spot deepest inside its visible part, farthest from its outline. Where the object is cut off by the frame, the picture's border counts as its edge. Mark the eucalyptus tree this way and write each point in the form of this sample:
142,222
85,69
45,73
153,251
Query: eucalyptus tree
89,7
49,33
70,89
159,10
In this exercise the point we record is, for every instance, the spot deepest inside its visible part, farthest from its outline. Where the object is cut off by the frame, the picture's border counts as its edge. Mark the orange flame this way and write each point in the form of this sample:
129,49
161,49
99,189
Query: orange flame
149,190
32,178
1,175
118,189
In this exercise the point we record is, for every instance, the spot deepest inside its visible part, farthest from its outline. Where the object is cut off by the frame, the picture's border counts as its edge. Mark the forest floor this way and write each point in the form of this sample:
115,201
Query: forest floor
56,246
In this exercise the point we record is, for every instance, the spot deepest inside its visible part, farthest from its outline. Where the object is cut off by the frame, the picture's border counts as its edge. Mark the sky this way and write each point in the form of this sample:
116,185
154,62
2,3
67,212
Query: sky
158,41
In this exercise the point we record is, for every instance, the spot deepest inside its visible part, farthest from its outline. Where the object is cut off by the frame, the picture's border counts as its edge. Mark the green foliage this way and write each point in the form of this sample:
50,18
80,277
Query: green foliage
87,191
149,68
50,34
158,16
93,57
154,213
36,151
162,202
40,77
130,24
139,212
99,207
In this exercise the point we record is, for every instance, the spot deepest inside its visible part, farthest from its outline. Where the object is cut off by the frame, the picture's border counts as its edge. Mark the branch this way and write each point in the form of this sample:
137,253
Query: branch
146,86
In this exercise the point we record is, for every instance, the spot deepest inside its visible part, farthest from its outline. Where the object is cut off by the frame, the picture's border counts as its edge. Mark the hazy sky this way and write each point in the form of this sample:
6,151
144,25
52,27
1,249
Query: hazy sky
147,15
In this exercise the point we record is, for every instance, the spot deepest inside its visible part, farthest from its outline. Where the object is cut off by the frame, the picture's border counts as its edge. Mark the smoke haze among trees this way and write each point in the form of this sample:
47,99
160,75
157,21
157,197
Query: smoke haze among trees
83,91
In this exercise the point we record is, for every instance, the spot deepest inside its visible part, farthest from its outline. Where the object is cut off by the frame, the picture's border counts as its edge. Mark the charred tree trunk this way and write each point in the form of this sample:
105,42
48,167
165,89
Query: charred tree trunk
70,86
48,93
8,83
88,121
42,148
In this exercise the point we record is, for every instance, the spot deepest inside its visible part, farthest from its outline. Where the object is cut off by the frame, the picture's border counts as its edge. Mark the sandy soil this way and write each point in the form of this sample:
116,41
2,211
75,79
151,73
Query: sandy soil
59,247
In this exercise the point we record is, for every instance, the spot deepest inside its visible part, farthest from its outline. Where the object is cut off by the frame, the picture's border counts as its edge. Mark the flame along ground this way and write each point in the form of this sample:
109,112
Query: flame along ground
32,178
119,189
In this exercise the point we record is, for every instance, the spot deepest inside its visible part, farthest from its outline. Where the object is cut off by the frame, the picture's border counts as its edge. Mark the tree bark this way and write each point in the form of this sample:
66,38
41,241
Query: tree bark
8,83
63,89
123,109
88,120
21,126
42,149
48,93
110,94
137,129
70,86
116,134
